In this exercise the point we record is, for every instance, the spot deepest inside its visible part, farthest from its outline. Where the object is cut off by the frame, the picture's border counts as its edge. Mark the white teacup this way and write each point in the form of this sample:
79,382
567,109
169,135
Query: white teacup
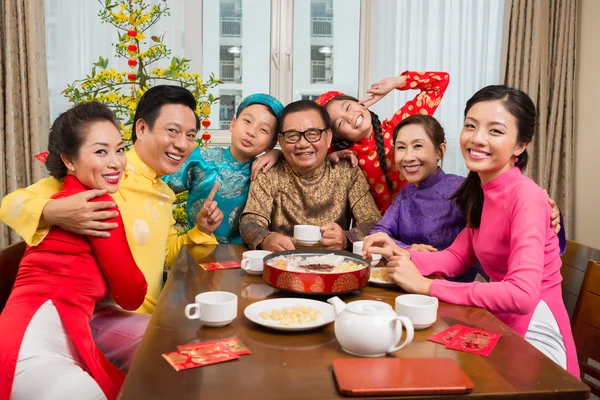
213,308
420,309
252,261
357,248
307,234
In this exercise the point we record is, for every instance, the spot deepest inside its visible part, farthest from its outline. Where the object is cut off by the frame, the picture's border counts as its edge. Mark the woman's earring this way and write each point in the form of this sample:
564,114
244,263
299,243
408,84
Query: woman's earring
516,160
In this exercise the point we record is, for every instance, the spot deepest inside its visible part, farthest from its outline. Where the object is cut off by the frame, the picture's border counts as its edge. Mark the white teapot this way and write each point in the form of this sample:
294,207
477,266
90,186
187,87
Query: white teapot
369,328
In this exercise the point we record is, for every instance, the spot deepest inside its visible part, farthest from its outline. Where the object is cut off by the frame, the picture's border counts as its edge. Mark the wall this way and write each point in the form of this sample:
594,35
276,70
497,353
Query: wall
587,128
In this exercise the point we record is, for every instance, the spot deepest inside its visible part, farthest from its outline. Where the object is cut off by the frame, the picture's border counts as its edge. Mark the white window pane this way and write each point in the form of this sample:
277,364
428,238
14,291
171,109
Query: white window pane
236,48
326,47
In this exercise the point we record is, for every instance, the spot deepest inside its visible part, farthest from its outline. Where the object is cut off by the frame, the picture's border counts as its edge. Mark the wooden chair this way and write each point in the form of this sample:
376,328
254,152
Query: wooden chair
10,258
575,261
586,325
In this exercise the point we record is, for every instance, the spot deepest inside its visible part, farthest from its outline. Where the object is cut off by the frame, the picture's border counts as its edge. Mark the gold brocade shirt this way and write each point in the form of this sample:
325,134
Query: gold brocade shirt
145,203
281,198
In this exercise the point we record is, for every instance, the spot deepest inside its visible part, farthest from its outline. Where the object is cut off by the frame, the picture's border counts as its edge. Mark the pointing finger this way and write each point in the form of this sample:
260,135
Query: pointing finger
212,193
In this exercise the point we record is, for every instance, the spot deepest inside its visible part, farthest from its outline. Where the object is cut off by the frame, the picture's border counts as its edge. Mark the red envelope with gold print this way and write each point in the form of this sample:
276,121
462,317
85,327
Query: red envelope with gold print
221,265
232,345
187,359
473,340
444,337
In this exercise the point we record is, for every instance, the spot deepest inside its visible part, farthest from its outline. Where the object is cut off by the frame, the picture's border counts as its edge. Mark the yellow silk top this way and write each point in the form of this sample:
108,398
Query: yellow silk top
145,203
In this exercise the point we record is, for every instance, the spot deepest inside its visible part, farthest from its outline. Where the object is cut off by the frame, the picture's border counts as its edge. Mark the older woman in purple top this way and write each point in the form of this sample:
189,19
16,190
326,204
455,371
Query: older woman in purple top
423,216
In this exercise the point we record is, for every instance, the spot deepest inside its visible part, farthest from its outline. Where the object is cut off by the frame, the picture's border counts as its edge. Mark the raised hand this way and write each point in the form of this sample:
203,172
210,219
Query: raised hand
210,216
379,90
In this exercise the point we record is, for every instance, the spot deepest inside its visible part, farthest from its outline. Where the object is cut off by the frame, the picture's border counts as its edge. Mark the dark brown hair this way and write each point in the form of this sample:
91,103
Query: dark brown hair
149,106
341,144
67,133
304,105
432,127
469,196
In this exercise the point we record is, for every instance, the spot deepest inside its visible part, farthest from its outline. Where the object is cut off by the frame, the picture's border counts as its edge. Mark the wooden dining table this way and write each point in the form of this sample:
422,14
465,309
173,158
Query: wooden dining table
298,365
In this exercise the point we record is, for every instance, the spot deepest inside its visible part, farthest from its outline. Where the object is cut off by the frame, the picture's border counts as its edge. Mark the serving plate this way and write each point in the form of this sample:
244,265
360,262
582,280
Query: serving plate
252,312
377,281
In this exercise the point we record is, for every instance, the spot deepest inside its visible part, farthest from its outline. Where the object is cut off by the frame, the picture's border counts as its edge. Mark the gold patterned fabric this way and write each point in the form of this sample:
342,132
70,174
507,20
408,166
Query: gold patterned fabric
24,112
280,199
540,60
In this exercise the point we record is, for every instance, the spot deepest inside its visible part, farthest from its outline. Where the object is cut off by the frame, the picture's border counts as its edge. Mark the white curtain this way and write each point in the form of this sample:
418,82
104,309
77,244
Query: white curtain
461,37
75,38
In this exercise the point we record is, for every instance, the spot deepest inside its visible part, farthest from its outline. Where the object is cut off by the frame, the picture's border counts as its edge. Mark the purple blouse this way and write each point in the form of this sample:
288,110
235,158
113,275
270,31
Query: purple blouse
425,214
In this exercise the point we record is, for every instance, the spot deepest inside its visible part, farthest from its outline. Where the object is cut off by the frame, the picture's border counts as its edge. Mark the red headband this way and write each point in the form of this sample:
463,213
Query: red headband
327,96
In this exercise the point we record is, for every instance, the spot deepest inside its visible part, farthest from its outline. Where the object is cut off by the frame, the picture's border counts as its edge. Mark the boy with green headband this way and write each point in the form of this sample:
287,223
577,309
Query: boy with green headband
253,131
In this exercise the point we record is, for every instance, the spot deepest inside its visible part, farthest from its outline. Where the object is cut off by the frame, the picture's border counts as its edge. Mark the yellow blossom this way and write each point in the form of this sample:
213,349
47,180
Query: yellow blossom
205,109
126,132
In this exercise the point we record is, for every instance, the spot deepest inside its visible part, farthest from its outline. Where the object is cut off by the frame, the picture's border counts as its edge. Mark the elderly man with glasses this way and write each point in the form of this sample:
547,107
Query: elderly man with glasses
305,188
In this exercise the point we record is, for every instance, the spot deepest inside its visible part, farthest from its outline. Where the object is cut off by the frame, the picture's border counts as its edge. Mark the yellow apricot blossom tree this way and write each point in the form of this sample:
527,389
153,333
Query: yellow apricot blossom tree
121,90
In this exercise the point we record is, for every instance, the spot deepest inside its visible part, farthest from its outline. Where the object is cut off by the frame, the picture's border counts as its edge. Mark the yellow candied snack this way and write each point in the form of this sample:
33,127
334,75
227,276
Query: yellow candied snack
381,275
291,316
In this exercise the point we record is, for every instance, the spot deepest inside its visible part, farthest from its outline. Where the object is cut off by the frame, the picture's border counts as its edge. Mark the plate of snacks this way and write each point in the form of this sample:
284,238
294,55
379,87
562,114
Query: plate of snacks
379,277
316,271
289,314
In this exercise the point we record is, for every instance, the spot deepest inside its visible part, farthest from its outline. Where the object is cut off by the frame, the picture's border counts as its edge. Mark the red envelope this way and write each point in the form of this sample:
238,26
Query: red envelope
187,359
232,345
475,341
444,337
221,265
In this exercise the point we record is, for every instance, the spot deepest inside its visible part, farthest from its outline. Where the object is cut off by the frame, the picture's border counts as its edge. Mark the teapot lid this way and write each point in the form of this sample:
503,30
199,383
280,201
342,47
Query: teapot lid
369,307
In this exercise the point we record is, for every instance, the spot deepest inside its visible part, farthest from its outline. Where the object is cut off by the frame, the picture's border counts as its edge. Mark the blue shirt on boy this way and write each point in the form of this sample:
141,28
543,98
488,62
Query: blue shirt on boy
204,167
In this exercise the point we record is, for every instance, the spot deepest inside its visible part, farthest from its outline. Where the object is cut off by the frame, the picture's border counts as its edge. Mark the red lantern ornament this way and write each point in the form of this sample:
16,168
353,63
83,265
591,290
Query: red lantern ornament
131,33
206,136
132,62
132,48
205,123
131,77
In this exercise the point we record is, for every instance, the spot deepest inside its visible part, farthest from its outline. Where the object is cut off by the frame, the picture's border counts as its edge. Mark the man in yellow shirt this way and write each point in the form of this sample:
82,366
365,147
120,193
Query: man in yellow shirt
165,127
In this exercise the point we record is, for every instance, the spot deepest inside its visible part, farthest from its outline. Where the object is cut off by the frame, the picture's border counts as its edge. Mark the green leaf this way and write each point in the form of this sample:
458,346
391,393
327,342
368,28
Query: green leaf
105,63
173,74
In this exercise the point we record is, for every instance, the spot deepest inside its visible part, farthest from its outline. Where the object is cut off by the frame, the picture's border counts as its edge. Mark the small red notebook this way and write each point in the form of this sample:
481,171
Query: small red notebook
400,376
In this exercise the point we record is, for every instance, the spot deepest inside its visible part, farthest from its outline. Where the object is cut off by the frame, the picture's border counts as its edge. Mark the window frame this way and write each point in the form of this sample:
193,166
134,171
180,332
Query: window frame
281,63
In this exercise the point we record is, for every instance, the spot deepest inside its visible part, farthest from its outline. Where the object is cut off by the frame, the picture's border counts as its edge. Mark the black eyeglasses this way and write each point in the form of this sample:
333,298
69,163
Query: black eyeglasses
311,135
